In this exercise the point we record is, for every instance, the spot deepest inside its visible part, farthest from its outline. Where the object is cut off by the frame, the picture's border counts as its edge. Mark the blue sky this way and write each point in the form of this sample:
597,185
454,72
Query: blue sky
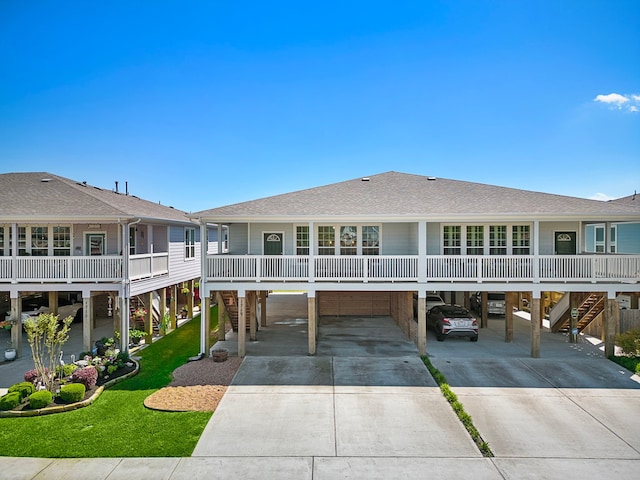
201,104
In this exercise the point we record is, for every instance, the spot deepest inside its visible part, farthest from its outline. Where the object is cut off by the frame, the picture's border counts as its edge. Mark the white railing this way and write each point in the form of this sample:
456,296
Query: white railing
104,268
148,265
477,268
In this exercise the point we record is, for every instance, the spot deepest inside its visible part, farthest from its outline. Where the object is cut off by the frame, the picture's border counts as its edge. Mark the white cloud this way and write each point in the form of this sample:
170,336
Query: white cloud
601,196
612,98
629,103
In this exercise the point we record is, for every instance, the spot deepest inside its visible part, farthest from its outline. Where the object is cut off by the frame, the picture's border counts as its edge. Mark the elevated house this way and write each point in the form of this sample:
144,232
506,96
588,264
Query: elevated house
63,241
367,246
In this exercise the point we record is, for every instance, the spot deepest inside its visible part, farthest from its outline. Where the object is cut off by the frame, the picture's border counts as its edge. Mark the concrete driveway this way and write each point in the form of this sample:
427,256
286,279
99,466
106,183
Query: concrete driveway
367,408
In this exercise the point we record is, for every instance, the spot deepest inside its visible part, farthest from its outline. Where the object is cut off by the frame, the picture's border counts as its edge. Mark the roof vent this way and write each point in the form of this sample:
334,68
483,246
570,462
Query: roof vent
365,179
431,179
45,180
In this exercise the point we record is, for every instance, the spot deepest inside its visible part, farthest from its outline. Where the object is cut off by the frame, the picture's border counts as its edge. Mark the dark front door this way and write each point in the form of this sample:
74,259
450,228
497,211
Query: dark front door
272,243
565,243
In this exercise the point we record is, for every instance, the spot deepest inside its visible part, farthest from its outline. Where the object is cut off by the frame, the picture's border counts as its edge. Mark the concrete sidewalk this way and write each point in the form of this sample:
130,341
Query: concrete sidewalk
367,408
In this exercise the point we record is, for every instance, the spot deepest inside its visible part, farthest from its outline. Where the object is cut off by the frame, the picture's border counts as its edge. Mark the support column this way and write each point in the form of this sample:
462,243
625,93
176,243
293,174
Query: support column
221,334
87,322
511,298
422,324
173,307
123,313
163,310
312,323
535,325
53,303
484,318
190,300
16,330
148,318
573,322
611,324
242,325
253,317
205,324
263,308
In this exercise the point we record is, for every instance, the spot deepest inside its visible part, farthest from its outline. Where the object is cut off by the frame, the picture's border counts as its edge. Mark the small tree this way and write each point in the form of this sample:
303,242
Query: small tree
46,335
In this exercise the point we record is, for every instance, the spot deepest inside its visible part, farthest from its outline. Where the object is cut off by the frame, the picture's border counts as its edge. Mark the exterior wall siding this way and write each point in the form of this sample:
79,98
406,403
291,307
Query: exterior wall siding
112,236
433,238
238,241
398,239
547,231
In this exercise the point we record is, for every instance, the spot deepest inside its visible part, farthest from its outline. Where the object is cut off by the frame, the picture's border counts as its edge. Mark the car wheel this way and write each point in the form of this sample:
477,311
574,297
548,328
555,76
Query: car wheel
473,339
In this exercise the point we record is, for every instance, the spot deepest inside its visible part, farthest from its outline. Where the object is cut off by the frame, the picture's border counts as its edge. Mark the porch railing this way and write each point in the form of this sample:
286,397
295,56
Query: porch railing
412,268
104,268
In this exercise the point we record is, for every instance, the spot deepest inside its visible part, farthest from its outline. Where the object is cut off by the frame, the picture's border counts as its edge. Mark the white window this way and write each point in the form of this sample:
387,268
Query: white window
520,239
599,239
371,240
475,240
452,239
348,240
302,240
190,242
497,240
61,241
613,235
326,240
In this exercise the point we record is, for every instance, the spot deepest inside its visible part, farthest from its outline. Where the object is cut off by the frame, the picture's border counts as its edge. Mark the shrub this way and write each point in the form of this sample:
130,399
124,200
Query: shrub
23,388
72,392
66,370
629,342
40,399
10,401
88,376
33,376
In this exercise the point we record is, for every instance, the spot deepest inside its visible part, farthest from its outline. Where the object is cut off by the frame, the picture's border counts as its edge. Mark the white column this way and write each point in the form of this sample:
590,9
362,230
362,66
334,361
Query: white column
422,251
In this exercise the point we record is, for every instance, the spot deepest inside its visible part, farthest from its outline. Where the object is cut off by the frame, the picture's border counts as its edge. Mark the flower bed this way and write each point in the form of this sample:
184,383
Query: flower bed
95,373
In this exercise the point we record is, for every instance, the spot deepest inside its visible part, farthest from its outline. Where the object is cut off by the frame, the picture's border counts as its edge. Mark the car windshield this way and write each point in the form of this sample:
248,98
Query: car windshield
433,298
496,296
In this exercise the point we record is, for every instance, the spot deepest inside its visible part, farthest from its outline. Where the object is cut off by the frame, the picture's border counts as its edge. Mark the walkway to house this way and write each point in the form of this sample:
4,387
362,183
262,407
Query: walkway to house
369,409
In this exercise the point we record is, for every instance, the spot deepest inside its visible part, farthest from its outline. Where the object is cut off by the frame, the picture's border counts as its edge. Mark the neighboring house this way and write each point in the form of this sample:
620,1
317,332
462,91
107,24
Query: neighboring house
66,241
365,246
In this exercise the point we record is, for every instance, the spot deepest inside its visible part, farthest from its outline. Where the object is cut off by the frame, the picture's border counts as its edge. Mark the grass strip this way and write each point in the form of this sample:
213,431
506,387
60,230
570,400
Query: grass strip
458,408
630,363
118,424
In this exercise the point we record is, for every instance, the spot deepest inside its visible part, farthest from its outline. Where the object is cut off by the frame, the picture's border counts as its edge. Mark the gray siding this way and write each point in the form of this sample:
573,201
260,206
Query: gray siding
399,239
433,238
238,239
547,232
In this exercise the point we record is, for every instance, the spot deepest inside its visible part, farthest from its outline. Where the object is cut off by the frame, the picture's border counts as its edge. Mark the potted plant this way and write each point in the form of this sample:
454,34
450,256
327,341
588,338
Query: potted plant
184,312
104,344
10,353
136,335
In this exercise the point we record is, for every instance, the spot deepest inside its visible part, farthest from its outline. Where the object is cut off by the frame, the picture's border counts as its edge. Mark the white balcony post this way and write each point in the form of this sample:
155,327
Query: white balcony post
536,251
422,251
312,255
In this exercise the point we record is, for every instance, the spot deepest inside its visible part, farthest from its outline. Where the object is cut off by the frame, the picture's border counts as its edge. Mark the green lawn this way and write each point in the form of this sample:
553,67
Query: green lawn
118,424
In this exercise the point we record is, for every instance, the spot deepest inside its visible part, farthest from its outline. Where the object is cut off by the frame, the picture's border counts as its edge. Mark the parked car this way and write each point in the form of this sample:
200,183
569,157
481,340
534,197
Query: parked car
432,301
497,304
454,321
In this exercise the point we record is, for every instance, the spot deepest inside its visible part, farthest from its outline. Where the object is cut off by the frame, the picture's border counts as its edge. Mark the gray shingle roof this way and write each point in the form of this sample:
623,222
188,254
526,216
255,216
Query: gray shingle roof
395,194
44,195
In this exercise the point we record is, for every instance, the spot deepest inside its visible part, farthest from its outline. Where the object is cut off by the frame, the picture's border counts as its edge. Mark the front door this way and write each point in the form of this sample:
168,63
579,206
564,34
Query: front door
95,243
272,243
565,243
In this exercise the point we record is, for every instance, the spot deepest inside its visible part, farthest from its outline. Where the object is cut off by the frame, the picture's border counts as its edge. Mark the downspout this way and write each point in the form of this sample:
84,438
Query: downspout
204,289
126,286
